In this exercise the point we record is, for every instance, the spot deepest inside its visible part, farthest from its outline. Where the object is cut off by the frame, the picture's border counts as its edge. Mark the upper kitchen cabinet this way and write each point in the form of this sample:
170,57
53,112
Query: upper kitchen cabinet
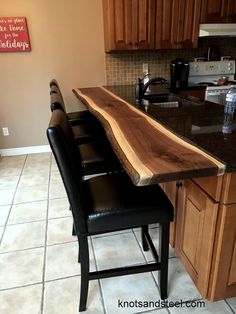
129,24
218,11
177,23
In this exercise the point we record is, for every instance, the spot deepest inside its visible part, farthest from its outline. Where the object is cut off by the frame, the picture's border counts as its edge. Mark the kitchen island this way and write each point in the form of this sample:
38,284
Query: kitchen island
202,192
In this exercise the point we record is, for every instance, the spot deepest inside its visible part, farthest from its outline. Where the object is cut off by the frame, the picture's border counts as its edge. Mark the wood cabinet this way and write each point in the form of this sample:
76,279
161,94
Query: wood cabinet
205,234
129,24
231,15
218,11
193,94
149,24
196,231
177,23
223,283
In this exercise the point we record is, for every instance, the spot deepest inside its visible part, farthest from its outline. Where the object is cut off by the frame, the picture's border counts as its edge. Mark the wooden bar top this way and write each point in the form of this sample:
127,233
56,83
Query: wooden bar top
149,152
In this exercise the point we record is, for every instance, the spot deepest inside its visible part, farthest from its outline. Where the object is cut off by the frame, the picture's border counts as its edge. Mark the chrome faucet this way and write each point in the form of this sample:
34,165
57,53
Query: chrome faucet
141,88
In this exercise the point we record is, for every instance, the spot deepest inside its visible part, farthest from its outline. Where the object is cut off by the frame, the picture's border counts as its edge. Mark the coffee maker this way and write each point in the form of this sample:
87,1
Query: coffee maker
179,70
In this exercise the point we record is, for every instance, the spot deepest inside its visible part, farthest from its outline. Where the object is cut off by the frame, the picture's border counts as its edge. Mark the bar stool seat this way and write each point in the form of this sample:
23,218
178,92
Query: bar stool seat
81,117
98,157
114,197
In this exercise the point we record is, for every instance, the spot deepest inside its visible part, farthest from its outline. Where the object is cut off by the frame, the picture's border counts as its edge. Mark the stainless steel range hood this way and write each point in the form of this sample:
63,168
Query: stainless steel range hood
216,30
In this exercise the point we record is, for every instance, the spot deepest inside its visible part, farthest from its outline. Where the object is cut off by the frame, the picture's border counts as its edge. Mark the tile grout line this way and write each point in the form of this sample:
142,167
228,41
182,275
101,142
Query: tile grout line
12,202
38,220
56,198
38,283
229,305
36,247
151,310
45,242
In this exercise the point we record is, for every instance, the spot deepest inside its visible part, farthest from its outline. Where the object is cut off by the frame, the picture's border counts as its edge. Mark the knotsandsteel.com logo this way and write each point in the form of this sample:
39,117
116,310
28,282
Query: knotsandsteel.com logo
160,304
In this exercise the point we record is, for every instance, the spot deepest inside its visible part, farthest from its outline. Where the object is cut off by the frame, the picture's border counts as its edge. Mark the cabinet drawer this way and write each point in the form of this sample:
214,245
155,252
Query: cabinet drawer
229,195
211,186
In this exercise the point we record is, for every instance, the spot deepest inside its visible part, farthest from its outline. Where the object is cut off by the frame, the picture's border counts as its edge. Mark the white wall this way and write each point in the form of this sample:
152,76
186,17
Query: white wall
67,44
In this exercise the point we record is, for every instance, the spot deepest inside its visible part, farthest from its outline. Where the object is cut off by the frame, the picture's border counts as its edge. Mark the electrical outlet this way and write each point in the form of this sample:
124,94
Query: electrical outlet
145,68
5,131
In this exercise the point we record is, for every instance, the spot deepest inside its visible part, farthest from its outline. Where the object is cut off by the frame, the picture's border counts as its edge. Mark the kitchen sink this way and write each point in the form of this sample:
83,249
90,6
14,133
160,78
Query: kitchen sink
169,101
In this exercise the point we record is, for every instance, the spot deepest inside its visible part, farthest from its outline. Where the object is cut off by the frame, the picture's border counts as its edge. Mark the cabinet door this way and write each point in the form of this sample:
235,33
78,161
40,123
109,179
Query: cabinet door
177,23
144,24
189,19
224,273
231,15
214,11
195,233
129,24
167,13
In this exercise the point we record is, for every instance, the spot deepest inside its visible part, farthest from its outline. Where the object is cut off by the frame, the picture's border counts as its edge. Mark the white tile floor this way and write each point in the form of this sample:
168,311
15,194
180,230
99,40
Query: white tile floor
39,272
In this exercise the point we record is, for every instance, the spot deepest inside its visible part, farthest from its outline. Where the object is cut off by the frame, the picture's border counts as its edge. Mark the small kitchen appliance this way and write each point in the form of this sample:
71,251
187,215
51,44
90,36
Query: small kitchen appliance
179,70
217,76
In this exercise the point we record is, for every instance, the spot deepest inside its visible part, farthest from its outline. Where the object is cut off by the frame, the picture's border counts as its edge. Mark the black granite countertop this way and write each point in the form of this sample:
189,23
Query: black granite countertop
201,123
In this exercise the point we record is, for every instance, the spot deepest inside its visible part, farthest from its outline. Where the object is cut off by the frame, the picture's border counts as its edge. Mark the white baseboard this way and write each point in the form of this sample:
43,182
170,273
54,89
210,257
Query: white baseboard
25,150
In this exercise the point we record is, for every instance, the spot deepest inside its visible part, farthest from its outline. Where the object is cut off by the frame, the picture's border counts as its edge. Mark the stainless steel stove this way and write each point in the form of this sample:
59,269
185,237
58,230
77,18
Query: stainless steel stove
208,73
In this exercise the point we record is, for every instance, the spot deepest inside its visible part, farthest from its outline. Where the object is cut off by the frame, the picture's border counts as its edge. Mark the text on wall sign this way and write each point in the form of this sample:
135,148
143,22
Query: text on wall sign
14,34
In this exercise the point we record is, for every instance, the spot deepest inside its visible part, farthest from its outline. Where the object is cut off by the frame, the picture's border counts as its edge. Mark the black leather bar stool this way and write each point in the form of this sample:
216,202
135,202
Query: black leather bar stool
108,203
98,158
77,117
96,155
84,132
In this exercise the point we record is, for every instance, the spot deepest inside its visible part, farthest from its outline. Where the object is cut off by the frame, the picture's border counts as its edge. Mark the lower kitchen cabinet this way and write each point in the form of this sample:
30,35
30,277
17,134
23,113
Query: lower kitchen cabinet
196,223
193,94
204,232
223,283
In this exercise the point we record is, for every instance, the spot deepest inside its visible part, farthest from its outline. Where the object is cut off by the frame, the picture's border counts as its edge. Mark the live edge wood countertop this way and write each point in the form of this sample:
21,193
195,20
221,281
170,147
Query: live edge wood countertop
149,152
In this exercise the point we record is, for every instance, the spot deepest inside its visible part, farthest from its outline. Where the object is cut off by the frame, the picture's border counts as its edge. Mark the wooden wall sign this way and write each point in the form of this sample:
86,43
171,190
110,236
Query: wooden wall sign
14,34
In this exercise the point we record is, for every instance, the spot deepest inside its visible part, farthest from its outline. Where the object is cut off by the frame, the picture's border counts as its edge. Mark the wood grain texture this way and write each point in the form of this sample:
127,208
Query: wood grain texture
195,232
223,284
148,151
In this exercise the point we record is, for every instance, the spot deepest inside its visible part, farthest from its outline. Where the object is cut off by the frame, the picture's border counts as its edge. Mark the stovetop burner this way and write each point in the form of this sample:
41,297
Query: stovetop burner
206,83
214,84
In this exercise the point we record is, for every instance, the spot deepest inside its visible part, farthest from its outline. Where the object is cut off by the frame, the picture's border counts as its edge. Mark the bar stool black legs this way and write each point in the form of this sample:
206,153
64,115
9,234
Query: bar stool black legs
163,256
84,262
144,230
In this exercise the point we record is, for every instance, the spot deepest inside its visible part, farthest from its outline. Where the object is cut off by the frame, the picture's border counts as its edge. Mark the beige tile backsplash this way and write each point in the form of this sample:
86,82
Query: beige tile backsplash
125,67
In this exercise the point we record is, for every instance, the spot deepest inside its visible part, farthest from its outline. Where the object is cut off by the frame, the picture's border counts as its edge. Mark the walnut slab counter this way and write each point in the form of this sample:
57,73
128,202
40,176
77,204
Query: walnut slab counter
149,152
204,227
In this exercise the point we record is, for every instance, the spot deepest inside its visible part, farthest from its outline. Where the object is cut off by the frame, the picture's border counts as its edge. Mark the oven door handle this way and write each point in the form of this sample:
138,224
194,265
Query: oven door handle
214,93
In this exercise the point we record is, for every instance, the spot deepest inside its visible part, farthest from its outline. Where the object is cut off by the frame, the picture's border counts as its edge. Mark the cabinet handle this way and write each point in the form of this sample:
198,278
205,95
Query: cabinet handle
130,43
179,184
